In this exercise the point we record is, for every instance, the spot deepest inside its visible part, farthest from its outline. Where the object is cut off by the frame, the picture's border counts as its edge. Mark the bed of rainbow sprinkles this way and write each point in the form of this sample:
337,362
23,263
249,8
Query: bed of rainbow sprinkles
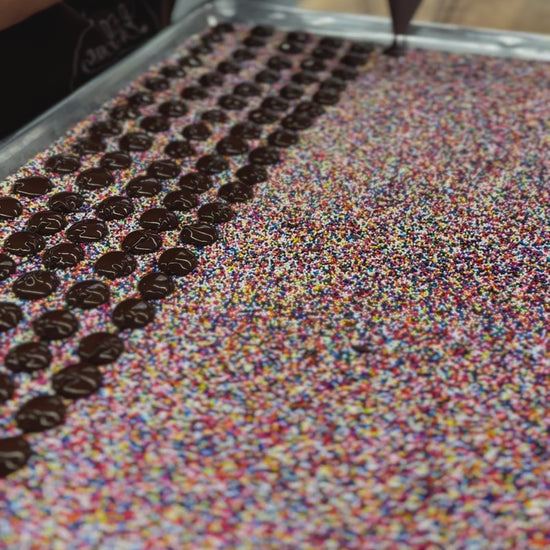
320,322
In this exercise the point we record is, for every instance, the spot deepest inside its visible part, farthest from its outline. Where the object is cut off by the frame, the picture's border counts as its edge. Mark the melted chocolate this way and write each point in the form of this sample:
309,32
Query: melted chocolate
212,79
265,156
252,174
279,63
327,97
180,201
135,141
334,84
331,42
62,256
88,294
298,36
200,49
163,169
267,77
361,48
133,313
89,146
247,89
76,381
94,178
115,264
190,61
309,108
283,138
195,182
212,38
40,413
156,83
10,208
117,160
313,64
7,387
224,27
180,261
106,128
124,112
24,243
100,348
28,357
46,222
180,149
215,212
275,103
212,164
159,219
243,54
66,202
7,266
173,71
14,454
55,325
35,285
197,132
173,108
87,231
235,192
246,130
155,286
345,73
291,91
253,42
198,234
214,116
33,186
114,208
291,48
297,121
304,77
232,145
140,99
10,316
141,242
143,186
262,116
194,93
232,102
62,164
323,53
262,30
155,123
353,60
228,67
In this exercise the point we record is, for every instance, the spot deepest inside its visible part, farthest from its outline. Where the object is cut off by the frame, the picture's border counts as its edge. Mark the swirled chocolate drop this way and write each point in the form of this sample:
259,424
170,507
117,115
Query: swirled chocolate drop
213,79
331,42
141,242
190,61
40,413
7,387
10,316
62,164
254,42
195,182
212,38
135,141
252,174
309,108
100,348
62,256
155,286
7,266
173,108
88,294
29,357
116,160
180,201
312,64
197,132
180,261
232,102
243,54
55,325
89,146
33,186
114,208
262,30
212,164
297,121
94,178
283,138
298,36
24,243
143,186
180,149
46,222
291,48
77,381
246,130
275,103
232,146
105,128
66,202
158,219
345,73
304,78
263,116
35,285
155,124
194,93
201,49
198,234
14,454
140,99
156,83
163,169
115,264
291,91
353,60
247,89
327,97
133,313
267,76
215,212
173,71
124,112
214,116
235,192
334,84
228,67
10,208
321,52
265,156
87,231
279,63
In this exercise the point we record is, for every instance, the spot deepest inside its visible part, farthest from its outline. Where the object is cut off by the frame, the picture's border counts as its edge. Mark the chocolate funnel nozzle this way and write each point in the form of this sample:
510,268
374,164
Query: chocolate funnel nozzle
401,14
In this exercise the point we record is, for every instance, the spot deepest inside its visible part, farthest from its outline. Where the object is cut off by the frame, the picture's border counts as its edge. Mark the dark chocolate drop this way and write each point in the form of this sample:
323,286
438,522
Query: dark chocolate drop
195,182
33,186
275,103
114,208
155,286
323,53
143,186
62,256
100,348
313,64
141,242
180,201
212,38
362,48
7,387
40,413
10,208
283,138
180,149
106,128
262,30
334,84
158,219
24,243
10,316
279,63
353,60
46,222
89,145
190,61
331,42
345,73
246,130
214,116
213,79
291,91
298,36
135,141
263,116
304,78
297,121
163,169
215,212
173,109
194,93
232,146
87,231
63,164
180,261
55,325
28,357
7,266
212,164
267,76
252,174
265,156
247,89
235,192
124,112
253,42
327,97
225,27
141,99
228,67
117,160
173,71
243,54
155,124
232,102
199,234
309,108
133,313
77,381
200,49
66,202
94,178
197,132
35,285
156,83
14,454
291,48
115,264
88,294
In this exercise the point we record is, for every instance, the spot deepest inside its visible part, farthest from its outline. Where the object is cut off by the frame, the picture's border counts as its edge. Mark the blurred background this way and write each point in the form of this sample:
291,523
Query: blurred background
518,15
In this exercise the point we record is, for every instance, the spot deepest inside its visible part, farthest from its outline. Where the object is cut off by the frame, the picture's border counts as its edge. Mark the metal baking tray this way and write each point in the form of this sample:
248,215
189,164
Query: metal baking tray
192,16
